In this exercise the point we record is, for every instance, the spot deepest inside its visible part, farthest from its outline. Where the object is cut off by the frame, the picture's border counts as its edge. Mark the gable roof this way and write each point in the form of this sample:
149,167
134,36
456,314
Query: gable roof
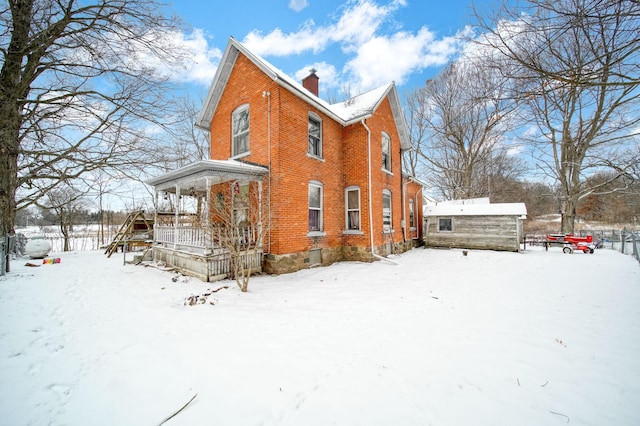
346,113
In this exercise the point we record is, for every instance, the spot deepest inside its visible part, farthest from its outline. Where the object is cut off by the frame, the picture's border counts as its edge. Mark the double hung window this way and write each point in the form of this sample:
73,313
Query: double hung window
240,130
352,195
315,206
386,152
386,210
412,223
315,136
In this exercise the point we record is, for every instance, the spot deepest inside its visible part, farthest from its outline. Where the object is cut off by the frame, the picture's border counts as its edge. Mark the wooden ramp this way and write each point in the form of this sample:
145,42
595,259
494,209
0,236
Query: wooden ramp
134,225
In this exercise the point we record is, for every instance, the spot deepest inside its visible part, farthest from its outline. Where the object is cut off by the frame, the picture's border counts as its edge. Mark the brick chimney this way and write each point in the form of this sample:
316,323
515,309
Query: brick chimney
310,82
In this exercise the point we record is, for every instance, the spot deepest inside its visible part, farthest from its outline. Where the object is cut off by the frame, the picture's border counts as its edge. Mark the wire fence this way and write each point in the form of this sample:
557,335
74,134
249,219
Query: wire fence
623,240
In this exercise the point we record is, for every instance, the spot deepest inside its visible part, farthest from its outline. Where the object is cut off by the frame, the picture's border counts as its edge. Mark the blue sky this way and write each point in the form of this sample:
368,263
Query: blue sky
358,44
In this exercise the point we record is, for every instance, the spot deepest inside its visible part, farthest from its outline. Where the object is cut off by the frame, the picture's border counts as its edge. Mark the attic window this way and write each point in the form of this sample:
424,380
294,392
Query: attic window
240,130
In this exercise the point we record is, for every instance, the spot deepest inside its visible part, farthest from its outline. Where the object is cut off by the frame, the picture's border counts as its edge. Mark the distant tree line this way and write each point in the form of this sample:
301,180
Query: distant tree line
547,90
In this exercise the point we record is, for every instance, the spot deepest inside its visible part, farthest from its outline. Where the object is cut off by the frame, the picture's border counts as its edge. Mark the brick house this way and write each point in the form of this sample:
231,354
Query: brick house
328,176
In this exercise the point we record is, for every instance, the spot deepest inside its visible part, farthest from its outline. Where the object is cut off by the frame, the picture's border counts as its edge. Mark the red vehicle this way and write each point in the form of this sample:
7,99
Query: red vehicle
570,242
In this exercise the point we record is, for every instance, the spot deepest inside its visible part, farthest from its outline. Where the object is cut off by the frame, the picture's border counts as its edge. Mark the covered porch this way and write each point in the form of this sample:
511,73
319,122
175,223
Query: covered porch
205,218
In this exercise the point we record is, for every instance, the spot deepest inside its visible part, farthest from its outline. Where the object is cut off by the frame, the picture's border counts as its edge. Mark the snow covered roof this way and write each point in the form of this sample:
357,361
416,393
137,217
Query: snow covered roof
475,209
195,176
346,113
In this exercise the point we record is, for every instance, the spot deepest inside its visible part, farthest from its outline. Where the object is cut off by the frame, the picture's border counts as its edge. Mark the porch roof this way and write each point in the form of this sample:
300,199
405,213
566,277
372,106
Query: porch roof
196,176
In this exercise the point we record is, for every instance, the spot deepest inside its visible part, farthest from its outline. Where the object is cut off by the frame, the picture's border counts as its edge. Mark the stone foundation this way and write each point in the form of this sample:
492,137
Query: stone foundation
292,262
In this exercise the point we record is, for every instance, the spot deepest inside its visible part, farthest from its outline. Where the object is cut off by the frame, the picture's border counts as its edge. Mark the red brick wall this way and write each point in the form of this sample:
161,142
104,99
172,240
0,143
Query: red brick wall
382,121
344,162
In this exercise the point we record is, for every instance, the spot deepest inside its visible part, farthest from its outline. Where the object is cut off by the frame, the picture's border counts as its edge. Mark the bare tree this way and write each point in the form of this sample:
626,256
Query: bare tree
466,111
67,204
576,63
418,121
80,83
238,226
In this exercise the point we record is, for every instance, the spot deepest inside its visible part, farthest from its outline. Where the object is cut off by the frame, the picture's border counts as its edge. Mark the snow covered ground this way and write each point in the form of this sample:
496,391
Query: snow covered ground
535,338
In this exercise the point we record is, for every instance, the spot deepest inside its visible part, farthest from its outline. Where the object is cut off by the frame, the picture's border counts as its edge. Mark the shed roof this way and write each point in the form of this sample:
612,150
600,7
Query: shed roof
497,209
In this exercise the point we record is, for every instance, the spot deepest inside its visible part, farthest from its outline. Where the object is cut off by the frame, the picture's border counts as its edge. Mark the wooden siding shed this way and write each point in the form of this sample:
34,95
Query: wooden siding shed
474,224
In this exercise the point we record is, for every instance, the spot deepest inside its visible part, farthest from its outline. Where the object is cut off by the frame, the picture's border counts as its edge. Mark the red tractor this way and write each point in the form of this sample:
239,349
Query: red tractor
570,242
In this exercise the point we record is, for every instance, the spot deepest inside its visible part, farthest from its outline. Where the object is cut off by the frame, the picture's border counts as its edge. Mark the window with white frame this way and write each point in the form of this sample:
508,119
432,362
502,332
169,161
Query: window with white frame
315,206
412,223
240,130
315,135
352,202
386,152
386,210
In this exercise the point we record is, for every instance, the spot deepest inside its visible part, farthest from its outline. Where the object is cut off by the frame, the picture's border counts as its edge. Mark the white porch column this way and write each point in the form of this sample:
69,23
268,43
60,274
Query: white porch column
260,212
176,218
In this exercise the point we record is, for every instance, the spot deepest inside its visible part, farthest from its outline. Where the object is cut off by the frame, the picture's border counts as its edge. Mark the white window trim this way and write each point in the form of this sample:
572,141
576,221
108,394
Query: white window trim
348,230
390,227
388,138
412,205
320,231
239,109
315,117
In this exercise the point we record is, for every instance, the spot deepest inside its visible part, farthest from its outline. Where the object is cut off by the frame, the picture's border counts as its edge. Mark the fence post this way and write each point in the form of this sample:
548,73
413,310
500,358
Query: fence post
4,255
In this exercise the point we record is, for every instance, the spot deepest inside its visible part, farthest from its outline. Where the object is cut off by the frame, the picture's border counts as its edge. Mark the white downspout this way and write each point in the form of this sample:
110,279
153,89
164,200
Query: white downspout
364,124
405,199
268,96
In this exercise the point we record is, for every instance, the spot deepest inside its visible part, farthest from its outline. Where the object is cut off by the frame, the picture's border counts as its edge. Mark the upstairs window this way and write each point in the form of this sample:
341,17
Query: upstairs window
315,136
386,152
240,131
352,195
315,206
386,210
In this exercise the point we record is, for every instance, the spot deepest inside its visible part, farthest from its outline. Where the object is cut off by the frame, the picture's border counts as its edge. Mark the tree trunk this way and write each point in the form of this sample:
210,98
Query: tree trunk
8,171
64,228
568,215
10,112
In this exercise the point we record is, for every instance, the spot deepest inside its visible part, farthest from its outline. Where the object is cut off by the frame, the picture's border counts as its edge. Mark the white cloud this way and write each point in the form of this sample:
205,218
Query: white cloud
199,60
385,58
204,61
374,56
298,5
277,43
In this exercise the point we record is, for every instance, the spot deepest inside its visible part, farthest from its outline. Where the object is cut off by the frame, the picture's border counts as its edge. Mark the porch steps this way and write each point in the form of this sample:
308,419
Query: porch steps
127,231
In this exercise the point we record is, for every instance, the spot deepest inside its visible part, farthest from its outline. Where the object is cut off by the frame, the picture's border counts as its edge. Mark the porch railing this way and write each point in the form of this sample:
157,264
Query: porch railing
199,237
191,236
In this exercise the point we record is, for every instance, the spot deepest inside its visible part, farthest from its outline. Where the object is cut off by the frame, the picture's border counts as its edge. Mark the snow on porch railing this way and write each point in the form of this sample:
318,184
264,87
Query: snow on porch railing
191,236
